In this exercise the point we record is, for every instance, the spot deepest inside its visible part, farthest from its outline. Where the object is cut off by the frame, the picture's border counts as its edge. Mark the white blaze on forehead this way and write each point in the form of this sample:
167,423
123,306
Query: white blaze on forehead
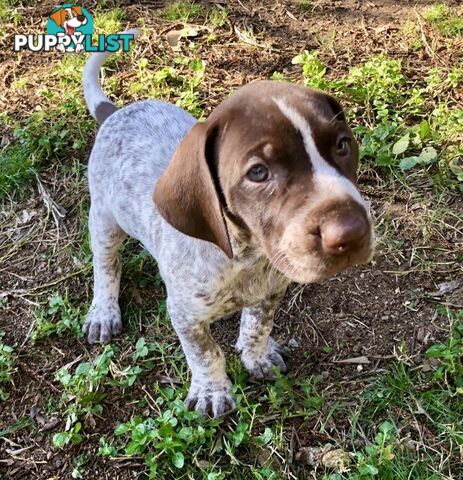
327,180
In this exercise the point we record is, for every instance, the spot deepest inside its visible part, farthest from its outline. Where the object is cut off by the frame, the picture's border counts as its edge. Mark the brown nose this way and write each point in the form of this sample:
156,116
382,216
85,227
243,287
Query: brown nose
81,18
343,234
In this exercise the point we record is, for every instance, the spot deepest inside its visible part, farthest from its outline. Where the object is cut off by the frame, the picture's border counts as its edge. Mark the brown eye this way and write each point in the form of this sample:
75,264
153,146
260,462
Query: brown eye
343,147
258,173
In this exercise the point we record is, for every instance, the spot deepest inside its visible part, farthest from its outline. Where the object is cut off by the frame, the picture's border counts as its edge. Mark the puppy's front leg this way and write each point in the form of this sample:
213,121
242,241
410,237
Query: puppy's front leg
210,389
259,352
104,317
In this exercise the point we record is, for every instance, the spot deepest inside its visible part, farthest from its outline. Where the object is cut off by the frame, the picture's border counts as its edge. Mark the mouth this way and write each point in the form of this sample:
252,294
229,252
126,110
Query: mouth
70,30
314,268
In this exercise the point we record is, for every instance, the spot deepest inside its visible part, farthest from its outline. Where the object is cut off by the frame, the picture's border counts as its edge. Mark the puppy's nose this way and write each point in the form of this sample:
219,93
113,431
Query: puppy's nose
81,18
343,234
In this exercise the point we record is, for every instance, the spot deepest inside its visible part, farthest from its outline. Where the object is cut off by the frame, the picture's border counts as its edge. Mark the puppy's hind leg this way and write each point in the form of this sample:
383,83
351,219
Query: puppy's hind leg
104,317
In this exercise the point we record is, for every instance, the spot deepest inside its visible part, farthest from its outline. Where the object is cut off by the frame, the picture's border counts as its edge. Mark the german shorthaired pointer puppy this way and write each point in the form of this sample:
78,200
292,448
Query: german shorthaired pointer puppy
233,209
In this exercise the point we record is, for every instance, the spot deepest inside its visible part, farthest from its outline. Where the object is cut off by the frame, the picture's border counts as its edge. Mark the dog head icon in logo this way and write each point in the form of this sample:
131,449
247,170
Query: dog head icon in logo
70,29
70,20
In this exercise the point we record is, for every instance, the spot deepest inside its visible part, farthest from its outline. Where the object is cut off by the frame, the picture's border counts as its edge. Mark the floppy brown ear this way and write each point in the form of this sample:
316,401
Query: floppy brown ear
188,194
58,17
77,9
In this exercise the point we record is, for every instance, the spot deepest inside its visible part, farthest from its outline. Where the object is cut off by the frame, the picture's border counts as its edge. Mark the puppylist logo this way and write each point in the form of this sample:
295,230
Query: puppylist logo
70,29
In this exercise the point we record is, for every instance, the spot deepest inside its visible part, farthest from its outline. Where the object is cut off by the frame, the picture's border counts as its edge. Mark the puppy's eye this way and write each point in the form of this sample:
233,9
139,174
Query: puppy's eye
258,173
343,146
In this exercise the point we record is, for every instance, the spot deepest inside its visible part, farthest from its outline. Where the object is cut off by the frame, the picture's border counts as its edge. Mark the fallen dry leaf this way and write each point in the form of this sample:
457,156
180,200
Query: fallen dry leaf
333,458
174,36
445,288
337,459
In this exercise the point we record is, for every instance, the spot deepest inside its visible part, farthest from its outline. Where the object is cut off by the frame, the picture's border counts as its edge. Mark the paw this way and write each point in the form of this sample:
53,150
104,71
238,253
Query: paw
261,364
211,399
103,322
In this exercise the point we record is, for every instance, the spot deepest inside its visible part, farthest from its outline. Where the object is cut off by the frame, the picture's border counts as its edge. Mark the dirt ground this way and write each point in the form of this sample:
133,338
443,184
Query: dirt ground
377,310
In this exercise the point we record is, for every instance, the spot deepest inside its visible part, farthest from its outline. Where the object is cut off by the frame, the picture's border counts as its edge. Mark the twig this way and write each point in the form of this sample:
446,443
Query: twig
20,292
56,210
423,37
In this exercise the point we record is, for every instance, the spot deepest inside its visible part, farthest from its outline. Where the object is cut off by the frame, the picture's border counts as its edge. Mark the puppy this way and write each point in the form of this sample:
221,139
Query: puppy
233,209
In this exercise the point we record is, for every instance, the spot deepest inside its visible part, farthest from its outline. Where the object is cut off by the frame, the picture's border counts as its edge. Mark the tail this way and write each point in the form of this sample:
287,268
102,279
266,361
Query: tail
98,103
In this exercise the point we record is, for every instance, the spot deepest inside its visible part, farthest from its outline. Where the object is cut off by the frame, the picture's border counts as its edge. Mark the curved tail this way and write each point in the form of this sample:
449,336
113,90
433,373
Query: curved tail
99,105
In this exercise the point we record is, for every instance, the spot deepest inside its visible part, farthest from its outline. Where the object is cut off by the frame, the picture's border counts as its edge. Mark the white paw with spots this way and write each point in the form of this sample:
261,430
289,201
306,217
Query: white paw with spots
260,363
103,322
211,399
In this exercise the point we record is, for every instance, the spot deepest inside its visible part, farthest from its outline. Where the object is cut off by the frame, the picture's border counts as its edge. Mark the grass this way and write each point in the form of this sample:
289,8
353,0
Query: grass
60,317
109,21
397,418
7,367
304,5
184,11
444,19
57,131
178,81
62,127
124,401
43,138
450,353
81,395
391,116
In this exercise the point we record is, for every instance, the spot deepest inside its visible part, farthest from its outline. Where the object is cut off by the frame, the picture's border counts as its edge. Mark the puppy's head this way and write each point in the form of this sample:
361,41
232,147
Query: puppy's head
279,162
